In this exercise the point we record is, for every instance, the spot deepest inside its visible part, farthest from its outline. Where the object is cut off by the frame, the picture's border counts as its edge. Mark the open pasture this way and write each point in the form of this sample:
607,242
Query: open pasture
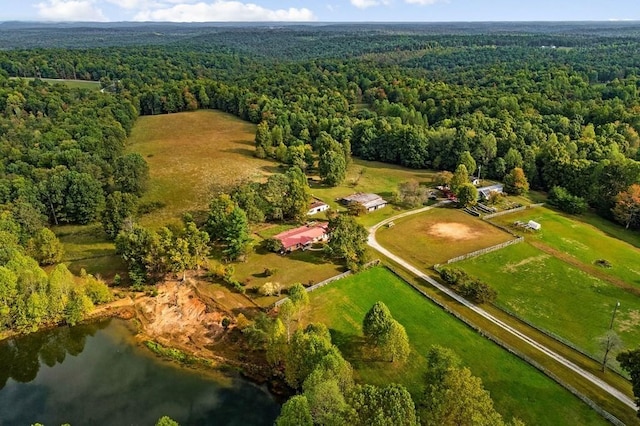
439,234
517,388
582,245
191,153
72,84
557,297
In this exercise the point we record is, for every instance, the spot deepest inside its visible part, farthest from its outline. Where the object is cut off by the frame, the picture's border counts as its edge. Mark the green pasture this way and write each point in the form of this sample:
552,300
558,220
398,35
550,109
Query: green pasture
563,235
86,247
190,154
557,296
73,84
439,234
517,388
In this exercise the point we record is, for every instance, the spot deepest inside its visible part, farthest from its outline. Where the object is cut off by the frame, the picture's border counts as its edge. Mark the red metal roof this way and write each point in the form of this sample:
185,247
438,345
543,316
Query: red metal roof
302,235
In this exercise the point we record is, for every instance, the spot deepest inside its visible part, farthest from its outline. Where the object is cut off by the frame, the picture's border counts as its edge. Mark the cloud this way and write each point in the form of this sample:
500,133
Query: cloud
424,2
69,10
221,10
363,4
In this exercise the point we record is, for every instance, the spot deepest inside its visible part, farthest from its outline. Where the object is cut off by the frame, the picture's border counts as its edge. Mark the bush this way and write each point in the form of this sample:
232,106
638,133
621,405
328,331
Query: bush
273,245
562,199
469,288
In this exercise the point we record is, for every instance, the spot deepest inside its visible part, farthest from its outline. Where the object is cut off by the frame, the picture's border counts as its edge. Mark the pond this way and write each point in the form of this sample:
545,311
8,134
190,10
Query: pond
95,374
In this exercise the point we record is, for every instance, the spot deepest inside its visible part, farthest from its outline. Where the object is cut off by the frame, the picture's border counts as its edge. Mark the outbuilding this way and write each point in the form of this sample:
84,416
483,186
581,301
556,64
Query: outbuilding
371,202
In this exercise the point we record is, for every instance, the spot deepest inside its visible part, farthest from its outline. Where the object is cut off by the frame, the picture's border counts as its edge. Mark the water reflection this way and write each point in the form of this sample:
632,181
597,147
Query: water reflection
21,357
112,382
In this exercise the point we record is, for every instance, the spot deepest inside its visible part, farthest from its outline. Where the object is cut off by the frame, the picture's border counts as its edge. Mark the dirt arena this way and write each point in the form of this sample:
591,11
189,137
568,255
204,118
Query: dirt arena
453,231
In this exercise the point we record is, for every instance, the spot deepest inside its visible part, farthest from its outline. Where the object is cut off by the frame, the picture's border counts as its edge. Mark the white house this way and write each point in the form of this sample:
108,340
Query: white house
317,206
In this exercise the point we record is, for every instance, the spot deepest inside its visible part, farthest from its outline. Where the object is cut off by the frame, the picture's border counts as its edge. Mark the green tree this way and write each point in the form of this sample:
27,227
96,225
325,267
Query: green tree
377,323
306,350
131,174
466,159
118,207
467,194
197,245
515,182
387,406
348,241
295,412
220,210
8,293
298,195
46,248
630,361
77,307
166,421
236,235
452,396
459,178
396,343
332,167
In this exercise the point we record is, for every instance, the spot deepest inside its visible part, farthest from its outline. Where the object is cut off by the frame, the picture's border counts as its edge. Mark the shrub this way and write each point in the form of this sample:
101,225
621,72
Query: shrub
273,245
562,199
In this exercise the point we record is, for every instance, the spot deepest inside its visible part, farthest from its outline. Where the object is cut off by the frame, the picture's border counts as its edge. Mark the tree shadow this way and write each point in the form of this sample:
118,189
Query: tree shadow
353,347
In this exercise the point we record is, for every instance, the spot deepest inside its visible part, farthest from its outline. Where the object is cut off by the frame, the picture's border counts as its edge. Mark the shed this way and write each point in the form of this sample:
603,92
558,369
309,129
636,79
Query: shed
371,202
534,225
317,206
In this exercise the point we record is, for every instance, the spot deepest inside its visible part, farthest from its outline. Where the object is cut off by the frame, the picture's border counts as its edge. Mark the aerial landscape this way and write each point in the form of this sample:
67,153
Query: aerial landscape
394,212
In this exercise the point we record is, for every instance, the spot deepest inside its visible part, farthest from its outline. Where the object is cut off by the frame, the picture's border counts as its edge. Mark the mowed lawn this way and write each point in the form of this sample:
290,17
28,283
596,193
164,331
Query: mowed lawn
584,243
517,388
191,153
439,234
557,297
371,176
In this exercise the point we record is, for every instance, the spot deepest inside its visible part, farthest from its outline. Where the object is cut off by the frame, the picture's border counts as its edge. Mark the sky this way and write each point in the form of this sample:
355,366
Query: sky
309,10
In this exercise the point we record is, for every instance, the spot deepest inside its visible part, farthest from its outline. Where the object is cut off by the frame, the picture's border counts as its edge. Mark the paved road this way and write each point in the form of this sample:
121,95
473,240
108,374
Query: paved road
506,327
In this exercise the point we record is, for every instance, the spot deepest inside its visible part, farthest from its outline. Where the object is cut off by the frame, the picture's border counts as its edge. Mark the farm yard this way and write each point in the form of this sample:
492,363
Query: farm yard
438,235
191,153
516,387
553,280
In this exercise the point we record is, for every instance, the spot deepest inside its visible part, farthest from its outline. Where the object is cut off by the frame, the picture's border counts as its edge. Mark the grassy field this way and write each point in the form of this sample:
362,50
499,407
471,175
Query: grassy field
517,389
556,296
439,234
371,176
191,153
86,248
73,84
581,244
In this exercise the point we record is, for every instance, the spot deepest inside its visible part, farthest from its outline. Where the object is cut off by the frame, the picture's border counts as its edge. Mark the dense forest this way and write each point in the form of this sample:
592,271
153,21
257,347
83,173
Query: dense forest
561,104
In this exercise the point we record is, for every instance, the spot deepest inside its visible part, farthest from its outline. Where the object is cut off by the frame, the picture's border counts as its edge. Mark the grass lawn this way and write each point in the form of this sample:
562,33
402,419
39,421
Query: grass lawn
306,267
189,154
517,388
86,247
73,84
584,244
556,296
437,235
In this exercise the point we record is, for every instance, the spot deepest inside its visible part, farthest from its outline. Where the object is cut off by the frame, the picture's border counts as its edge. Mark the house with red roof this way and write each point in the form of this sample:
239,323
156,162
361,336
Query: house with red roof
303,237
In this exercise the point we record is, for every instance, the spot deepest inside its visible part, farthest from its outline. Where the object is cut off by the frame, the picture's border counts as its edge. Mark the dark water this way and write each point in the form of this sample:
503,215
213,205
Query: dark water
94,375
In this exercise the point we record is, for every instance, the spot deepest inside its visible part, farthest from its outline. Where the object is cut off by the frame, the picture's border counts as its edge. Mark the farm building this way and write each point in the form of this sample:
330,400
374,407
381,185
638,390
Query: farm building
303,237
317,206
485,191
371,202
534,225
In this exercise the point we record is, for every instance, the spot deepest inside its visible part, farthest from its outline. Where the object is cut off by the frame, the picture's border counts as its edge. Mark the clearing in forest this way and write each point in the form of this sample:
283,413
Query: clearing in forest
439,234
191,153
516,388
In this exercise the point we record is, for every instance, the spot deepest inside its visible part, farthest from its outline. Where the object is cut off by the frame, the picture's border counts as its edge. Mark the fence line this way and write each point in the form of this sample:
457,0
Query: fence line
329,281
608,416
485,250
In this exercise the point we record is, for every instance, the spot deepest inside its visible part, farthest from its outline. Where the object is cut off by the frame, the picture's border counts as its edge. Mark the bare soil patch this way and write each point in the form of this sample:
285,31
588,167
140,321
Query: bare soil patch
453,231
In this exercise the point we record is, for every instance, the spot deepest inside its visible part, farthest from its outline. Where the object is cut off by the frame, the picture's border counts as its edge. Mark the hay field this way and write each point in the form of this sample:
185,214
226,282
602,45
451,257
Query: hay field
437,235
190,153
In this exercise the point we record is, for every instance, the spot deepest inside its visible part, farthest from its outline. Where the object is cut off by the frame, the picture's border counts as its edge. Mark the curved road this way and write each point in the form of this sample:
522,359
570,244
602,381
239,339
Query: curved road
506,327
